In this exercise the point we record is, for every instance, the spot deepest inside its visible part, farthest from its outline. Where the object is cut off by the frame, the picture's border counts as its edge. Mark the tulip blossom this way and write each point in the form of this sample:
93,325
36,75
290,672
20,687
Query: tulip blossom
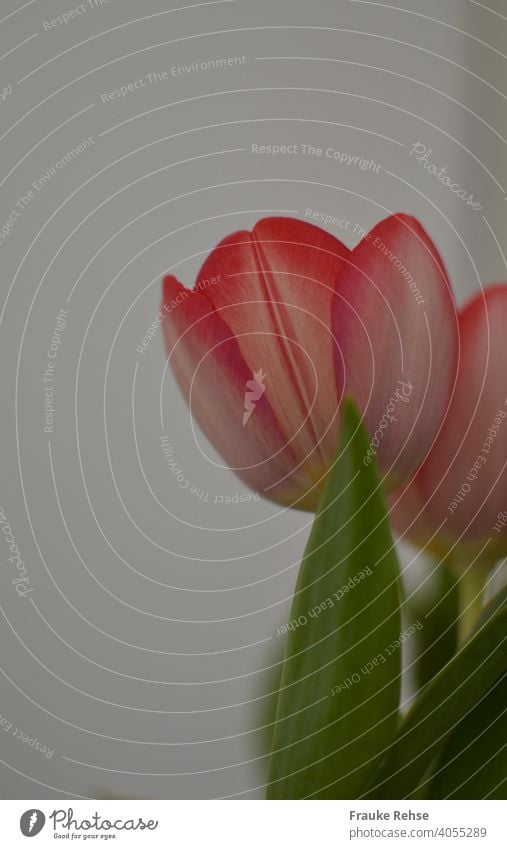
284,320
458,498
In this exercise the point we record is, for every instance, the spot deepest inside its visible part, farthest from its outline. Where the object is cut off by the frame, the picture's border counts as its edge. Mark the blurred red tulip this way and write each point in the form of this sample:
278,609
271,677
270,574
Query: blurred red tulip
459,496
284,320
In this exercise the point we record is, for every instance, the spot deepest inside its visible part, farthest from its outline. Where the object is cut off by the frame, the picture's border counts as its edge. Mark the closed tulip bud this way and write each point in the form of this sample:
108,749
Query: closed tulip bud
285,320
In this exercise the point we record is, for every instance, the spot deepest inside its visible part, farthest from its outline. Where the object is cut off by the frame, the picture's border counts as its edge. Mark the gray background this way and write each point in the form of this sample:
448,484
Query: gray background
141,656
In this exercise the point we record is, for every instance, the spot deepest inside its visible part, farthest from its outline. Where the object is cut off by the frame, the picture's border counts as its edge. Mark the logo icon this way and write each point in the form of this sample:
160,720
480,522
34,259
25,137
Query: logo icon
32,822
6,92
255,389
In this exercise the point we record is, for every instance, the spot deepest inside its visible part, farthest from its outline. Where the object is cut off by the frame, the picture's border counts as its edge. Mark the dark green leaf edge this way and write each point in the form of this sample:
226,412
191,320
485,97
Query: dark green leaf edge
437,770
385,776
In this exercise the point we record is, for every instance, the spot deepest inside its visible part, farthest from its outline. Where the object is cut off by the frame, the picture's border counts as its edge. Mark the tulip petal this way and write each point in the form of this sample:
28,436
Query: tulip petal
276,298
395,319
212,375
471,453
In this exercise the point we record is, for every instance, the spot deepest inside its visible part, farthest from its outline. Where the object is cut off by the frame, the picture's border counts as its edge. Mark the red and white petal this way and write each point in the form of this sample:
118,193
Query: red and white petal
212,374
471,452
395,321
276,296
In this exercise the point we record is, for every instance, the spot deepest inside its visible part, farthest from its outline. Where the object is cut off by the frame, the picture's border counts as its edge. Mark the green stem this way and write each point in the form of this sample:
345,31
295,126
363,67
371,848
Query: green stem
470,586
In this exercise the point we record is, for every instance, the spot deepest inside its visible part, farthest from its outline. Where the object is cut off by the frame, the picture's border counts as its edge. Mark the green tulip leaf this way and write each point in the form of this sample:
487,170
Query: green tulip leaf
438,640
446,701
339,693
497,603
473,763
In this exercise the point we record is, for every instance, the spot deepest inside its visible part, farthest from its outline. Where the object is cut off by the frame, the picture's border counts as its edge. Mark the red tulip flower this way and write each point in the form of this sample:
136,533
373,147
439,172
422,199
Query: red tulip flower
458,499
285,320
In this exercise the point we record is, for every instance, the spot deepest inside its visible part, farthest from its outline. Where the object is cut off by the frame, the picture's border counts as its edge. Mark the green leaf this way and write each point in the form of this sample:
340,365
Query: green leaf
446,701
495,604
437,641
473,763
339,695
265,710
